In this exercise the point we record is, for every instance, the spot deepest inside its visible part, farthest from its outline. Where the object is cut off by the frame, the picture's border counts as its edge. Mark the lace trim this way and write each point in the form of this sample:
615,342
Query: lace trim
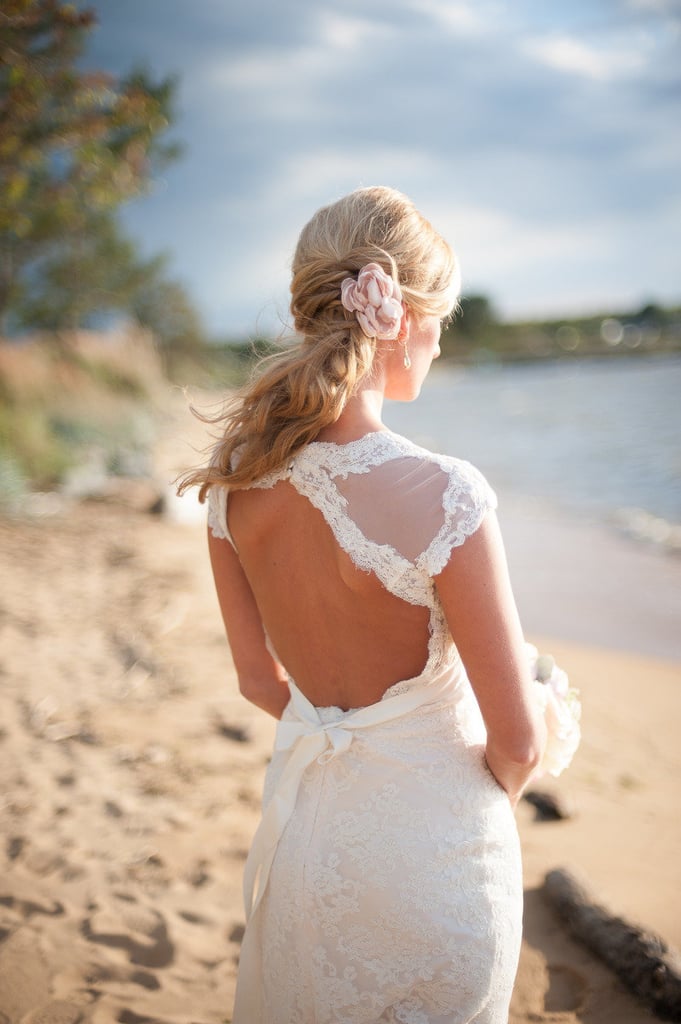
312,471
396,574
394,571
311,476
217,513
466,501
363,454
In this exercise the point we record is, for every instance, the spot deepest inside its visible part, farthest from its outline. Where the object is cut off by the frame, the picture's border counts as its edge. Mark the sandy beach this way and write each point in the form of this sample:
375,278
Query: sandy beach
132,769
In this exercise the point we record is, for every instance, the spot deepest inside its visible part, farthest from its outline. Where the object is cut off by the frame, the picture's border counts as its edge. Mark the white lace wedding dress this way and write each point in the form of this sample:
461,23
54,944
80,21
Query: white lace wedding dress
384,881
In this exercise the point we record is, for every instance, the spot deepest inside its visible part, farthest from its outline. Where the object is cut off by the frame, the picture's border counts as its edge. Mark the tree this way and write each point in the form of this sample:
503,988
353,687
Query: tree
96,271
104,274
477,316
474,329
164,307
74,145
651,315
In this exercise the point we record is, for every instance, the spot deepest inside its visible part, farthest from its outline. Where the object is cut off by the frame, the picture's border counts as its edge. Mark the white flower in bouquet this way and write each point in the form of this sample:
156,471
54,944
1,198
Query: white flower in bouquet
562,711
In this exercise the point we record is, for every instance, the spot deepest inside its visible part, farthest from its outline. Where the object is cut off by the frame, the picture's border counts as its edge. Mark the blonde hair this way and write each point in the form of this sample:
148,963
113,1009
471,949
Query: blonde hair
298,391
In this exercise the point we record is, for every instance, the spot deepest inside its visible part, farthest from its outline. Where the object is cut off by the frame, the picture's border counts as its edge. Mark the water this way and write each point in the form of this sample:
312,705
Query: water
597,437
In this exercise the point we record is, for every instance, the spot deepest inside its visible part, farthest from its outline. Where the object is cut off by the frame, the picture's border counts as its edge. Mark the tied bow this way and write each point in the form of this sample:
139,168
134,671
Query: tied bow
326,739
307,739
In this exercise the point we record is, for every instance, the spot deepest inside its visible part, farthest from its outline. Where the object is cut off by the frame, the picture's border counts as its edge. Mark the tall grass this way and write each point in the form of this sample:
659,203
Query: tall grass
64,397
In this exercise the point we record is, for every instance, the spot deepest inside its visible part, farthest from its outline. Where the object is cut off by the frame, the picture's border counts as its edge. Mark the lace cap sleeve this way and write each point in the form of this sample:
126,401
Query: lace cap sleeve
217,513
466,500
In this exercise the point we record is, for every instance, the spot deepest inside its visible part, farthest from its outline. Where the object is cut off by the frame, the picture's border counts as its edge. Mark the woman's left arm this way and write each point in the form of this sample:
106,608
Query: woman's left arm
262,679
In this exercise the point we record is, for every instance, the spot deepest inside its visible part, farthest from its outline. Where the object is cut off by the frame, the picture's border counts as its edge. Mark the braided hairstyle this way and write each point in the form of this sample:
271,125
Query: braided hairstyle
303,388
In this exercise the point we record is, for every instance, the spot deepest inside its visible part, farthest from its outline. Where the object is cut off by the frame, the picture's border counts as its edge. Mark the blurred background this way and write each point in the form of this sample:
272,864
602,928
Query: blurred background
158,160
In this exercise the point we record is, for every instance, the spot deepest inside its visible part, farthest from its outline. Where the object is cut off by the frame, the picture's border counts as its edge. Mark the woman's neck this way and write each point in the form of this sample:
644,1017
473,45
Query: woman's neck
361,416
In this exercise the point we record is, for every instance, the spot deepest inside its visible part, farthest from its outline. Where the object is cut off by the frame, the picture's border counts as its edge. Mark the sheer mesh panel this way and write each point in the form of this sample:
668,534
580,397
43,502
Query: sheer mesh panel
399,503
383,494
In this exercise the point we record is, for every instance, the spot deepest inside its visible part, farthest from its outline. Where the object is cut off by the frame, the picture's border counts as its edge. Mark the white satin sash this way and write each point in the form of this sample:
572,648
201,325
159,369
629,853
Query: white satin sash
307,738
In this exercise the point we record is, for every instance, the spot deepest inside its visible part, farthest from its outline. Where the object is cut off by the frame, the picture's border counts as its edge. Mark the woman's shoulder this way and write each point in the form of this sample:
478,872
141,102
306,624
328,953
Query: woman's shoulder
392,459
461,473
398,493
448,495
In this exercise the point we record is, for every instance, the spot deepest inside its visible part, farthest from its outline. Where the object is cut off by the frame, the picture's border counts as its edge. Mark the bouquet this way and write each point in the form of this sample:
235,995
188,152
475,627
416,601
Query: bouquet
562,711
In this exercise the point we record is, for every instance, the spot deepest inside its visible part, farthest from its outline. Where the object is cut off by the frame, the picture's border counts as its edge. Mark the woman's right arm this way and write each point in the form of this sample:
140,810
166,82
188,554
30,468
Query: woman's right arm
480,609
262,680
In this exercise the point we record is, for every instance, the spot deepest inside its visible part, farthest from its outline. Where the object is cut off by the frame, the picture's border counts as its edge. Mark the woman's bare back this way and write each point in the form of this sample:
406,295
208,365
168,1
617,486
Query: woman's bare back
340,634
340,549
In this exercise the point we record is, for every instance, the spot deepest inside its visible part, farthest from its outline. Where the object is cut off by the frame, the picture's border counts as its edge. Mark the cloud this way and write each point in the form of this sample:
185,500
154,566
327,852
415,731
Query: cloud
565,53
260,233
656,7
456,18
539,137
330,172
335,38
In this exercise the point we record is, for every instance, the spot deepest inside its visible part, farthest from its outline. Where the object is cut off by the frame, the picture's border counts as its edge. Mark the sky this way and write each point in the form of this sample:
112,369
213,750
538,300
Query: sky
542,139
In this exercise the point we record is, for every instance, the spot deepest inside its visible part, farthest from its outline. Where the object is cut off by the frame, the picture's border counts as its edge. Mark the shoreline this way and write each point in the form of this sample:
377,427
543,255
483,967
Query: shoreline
582,580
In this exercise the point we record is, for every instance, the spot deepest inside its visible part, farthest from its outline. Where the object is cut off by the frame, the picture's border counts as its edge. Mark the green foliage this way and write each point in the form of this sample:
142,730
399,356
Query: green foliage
90,400
476,334
477,316
85,273
218,365
74,145
29,444
13,484
472,327
111,377
73,141
163,307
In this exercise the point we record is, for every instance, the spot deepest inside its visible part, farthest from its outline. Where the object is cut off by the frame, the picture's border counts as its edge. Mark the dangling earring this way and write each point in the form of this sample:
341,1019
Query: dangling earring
407,360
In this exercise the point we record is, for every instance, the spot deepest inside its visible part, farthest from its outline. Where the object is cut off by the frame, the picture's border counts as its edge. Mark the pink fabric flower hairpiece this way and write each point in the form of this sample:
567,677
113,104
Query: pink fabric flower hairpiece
376,301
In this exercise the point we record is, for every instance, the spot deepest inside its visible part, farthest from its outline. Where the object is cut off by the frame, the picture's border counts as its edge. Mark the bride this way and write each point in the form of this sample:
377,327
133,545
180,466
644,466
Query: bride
366,599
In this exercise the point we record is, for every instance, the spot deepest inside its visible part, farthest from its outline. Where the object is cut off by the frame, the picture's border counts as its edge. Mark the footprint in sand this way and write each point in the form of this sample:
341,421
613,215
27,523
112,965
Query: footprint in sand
56,1012
130,1017
197,875
119,974
192,918
26,907
39,860
567,989
15,845
140,931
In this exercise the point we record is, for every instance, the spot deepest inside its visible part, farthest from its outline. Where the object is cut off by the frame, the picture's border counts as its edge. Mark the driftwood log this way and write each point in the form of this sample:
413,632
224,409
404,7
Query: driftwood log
641,959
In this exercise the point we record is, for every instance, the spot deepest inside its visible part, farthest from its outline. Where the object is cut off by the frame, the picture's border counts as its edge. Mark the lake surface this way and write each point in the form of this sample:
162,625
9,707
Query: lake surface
599,437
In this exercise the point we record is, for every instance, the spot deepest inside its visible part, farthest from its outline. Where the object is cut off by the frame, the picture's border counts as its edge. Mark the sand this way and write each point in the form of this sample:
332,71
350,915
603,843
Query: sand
131,773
